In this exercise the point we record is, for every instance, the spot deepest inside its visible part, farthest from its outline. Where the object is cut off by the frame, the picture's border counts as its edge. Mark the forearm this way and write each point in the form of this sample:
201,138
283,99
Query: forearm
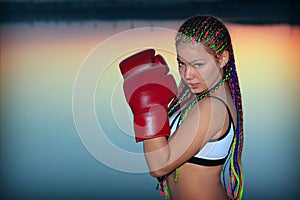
148,89
157,153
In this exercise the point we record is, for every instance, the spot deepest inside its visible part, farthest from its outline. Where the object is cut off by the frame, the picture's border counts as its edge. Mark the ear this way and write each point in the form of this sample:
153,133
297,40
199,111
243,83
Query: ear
224,58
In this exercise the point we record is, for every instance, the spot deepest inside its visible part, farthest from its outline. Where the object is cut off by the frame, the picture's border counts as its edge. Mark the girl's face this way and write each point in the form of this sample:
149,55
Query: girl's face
199,69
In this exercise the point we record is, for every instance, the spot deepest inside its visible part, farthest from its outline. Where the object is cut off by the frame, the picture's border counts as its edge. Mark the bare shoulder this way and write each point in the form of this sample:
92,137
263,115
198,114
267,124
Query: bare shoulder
211,113
210,106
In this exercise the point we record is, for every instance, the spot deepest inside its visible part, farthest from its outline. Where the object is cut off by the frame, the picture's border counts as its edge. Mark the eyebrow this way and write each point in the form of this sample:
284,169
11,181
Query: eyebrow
178,59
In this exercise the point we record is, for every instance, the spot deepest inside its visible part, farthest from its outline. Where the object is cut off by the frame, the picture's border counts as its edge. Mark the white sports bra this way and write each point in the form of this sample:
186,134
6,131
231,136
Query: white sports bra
215,151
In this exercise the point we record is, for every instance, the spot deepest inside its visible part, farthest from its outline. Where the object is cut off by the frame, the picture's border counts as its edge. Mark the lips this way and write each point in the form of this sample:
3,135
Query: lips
193,85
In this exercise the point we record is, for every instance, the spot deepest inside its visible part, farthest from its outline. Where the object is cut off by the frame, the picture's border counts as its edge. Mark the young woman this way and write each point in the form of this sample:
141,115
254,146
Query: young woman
188,140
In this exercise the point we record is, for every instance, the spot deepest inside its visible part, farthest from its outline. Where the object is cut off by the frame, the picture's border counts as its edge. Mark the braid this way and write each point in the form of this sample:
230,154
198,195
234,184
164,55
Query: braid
236,181
215,37
236,176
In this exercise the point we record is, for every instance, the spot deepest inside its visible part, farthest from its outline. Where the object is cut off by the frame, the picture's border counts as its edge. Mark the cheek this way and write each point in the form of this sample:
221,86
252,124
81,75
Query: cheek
209,73
181,71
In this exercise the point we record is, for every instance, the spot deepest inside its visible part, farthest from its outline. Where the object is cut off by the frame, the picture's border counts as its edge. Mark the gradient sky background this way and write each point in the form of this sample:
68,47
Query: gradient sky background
42,156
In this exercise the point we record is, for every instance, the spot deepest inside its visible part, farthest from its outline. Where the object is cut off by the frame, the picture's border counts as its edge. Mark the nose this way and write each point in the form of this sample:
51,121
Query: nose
189,73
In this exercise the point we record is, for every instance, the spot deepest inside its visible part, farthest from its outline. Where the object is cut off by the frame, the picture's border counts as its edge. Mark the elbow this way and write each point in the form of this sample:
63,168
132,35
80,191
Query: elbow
158,173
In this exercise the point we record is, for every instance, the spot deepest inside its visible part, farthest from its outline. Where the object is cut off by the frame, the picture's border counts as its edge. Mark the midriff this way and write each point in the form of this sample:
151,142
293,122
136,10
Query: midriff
196,182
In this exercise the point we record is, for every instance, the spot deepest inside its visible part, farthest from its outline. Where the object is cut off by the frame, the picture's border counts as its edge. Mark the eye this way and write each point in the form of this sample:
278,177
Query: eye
180,64
198,65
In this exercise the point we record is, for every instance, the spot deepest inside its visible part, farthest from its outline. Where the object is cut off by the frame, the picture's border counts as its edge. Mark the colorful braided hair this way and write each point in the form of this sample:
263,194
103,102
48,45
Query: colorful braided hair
215,37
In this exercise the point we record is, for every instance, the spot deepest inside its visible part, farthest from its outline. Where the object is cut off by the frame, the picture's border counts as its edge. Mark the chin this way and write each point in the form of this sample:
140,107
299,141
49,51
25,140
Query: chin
196,90
199,89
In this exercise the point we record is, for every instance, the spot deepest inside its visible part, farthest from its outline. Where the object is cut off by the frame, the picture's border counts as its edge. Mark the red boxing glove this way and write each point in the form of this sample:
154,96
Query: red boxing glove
148,89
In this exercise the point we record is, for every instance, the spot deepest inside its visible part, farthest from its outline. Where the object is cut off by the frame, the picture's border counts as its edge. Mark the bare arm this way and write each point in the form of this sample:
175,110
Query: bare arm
205,120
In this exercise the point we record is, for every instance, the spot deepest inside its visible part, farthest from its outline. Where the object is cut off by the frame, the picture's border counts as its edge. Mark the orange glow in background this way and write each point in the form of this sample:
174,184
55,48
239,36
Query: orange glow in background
39,63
